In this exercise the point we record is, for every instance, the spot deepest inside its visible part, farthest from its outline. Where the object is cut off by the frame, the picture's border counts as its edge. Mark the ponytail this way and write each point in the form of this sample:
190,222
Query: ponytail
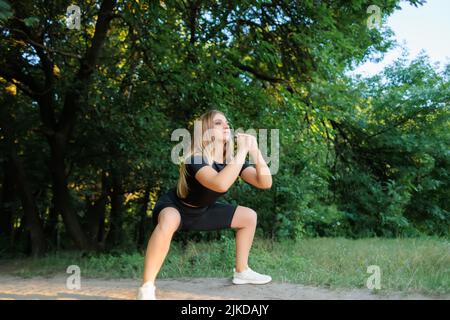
182,188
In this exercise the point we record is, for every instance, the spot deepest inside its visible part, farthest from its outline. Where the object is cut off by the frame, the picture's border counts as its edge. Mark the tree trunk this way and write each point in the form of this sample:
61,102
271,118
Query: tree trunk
101,236
33,223
143,220
7,198
96,215
62,198
51,224
114,237
62,131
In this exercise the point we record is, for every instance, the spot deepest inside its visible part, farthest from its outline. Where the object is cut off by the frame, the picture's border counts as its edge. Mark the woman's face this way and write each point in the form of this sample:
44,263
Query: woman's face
221,128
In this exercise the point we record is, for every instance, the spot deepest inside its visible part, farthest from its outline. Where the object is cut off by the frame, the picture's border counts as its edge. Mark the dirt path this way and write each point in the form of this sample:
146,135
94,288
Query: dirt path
180,289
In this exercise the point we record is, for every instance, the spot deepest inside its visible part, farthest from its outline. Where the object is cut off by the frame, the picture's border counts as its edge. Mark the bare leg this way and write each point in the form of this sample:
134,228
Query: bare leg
159,243
244,221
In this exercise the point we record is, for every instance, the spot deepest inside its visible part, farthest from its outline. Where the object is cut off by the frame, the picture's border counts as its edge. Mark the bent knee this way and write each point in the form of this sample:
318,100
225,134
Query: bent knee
245,217
252,217
169,220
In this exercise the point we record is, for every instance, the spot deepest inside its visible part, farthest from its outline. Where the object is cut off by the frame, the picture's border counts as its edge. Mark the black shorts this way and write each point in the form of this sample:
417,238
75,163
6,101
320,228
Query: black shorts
213,217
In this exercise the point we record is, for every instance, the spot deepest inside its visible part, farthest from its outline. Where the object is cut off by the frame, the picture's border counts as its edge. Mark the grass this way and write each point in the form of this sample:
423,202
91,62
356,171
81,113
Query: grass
420,265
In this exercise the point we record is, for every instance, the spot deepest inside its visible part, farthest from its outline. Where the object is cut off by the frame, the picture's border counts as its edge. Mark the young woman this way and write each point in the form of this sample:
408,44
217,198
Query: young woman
209,171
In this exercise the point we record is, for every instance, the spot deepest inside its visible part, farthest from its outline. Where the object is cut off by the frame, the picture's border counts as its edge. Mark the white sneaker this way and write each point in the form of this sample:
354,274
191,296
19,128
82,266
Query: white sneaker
146,292
251,277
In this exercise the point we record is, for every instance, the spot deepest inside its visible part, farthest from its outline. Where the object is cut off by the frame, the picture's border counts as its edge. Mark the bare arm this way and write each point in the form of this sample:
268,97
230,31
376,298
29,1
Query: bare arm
223,180
260,177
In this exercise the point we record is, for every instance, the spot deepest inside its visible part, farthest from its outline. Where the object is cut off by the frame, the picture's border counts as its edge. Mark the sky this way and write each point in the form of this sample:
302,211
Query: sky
426,27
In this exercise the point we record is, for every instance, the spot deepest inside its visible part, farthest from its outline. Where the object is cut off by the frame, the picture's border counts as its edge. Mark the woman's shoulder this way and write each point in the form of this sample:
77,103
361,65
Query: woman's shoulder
196,158
195,162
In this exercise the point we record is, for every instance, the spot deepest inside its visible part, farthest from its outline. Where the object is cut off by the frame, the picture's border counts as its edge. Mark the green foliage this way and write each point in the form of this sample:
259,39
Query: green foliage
388,144
5,10
358,157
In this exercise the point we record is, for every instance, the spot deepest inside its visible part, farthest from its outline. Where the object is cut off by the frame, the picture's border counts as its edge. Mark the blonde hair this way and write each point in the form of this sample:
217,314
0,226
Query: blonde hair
203,145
